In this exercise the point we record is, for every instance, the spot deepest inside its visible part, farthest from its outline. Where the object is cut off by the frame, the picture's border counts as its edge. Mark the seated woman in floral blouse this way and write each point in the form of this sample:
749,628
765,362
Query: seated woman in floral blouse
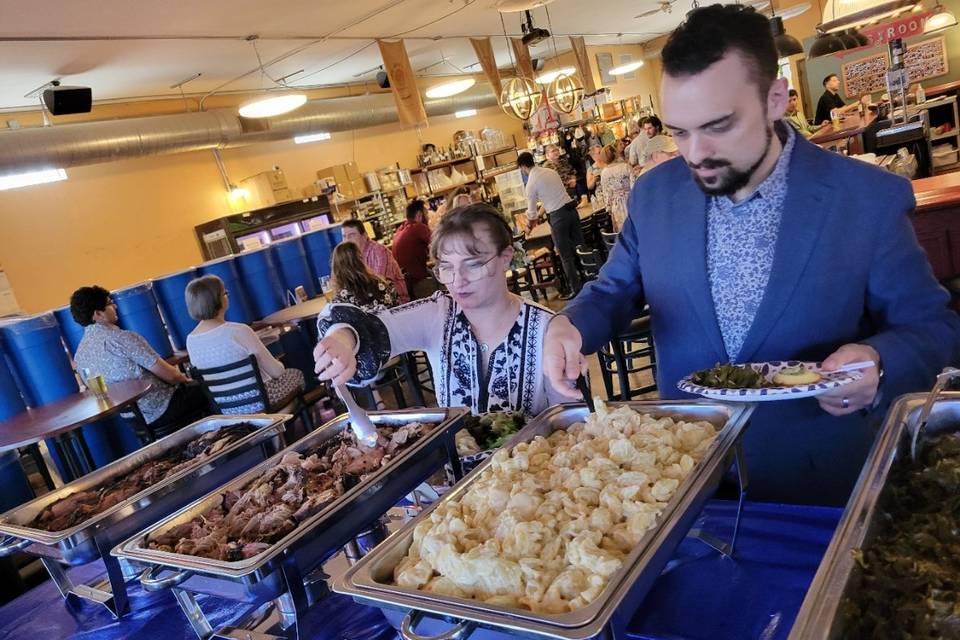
354,283
484,343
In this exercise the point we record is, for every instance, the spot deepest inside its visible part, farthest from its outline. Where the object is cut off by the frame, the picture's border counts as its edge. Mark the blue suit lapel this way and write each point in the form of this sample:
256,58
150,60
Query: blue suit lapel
688,239
806,208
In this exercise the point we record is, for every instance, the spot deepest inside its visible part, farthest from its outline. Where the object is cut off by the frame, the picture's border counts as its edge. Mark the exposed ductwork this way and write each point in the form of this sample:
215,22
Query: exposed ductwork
71,145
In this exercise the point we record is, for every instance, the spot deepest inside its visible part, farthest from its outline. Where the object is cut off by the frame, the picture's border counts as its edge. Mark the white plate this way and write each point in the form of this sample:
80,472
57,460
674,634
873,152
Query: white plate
768,370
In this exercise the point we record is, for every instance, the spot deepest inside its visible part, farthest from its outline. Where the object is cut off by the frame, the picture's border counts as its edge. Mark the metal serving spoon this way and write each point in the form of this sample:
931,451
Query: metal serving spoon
948,374
359,420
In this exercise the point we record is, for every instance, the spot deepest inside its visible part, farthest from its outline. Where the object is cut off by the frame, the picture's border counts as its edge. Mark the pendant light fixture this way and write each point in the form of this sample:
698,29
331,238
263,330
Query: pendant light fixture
449,87
940,20
825,44
786,44
549,76
565,93
626,68
273,103
520,98
839,15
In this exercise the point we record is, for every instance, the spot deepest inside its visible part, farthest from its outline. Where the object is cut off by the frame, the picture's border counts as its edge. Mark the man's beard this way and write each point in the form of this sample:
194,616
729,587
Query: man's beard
732,180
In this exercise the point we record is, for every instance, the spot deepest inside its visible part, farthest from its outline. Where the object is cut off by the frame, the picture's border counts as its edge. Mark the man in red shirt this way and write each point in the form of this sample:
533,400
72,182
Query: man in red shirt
411,247
376,256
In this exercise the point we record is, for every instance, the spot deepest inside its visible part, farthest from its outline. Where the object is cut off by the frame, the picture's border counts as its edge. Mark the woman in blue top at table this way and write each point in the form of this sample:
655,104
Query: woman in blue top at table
484,343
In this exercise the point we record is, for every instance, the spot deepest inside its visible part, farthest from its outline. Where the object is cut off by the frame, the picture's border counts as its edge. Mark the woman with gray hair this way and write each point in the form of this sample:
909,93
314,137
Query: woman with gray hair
215,343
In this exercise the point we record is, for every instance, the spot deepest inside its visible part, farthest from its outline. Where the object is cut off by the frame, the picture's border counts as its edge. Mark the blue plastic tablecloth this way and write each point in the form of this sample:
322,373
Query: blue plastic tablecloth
701,595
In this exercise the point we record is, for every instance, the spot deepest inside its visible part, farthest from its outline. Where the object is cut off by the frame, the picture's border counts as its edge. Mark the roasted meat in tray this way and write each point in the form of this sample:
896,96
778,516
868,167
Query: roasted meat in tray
247,521
78,507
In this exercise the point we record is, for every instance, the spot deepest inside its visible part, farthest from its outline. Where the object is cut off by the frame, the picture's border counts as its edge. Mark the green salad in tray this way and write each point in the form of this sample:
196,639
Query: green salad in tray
489,431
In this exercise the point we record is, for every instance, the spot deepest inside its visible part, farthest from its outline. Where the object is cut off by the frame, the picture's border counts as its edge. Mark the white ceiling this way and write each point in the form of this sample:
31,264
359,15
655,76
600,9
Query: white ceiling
44,39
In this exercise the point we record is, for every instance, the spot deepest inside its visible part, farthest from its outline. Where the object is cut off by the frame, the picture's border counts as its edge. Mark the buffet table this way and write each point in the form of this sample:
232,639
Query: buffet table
755,594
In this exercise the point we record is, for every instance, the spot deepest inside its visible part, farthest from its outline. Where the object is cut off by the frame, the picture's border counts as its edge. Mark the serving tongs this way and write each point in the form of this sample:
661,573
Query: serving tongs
948,374
359,420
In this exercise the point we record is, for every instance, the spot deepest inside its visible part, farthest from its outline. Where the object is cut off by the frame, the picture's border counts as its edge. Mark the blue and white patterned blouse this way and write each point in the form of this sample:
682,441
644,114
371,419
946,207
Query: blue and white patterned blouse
741,239
515,380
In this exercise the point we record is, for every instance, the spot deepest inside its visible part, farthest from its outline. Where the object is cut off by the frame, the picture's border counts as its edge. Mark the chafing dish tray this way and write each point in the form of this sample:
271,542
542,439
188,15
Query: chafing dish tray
93,538
371,580
821,614
280,568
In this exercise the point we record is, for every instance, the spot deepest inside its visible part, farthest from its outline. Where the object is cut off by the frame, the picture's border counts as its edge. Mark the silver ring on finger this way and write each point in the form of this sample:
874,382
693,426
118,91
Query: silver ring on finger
845,402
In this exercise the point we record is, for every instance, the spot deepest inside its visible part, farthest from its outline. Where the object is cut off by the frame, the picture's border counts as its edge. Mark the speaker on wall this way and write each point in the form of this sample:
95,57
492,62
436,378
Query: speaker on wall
65,100
382,80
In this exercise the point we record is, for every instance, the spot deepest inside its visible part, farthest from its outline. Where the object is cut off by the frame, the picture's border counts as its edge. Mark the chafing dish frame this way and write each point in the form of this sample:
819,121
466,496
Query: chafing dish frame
93,538
609,614
280,572
819,615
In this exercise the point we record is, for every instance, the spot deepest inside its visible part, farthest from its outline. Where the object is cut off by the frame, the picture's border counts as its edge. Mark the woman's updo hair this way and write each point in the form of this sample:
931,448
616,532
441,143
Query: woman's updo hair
459,223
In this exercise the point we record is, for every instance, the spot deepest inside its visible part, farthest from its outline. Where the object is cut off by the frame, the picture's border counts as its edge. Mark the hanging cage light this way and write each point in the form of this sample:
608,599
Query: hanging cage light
565,93
520,98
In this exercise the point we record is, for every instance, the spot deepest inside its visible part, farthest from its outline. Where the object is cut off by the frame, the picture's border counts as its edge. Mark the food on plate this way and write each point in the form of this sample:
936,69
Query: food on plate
730,376
82,505
247,521
549,521
488,431
799,374
907,585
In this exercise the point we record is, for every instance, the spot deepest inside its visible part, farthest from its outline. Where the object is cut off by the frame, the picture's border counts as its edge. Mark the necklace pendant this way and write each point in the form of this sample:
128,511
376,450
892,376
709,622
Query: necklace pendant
484,347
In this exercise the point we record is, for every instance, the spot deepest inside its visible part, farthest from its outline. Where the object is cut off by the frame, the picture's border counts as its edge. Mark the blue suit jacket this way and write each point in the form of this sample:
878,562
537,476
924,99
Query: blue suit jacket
847,269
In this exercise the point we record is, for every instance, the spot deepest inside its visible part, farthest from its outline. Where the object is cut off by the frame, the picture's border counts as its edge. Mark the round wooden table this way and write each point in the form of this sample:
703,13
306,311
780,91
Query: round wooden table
61,419
298,312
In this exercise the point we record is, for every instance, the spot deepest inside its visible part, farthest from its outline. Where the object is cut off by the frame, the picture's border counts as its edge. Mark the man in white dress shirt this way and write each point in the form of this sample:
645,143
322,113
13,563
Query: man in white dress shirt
545,186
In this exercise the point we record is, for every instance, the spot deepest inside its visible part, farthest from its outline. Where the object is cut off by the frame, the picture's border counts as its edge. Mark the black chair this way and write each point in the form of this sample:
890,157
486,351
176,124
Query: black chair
952,285
135,420
589,231
243,377
609,239
603,221
393,376
589,261
631,353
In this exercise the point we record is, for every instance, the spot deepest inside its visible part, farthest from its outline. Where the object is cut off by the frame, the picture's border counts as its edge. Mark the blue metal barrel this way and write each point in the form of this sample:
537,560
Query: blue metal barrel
139,312
240,309
169,290
71,330
263,284
319,247
290,257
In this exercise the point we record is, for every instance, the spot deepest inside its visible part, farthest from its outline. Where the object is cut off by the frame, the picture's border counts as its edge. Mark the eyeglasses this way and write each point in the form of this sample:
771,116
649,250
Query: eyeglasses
469,272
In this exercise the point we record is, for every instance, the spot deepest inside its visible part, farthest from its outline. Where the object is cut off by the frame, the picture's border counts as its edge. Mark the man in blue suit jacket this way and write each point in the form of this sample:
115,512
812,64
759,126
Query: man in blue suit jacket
756,245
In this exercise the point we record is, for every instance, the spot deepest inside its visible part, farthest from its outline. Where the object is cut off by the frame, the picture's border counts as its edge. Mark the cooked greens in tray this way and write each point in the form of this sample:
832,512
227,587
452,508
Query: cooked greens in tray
488,431
909,583
730,376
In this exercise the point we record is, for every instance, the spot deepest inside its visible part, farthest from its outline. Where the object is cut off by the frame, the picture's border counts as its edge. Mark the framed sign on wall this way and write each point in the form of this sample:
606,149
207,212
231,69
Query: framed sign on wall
866,75
927,59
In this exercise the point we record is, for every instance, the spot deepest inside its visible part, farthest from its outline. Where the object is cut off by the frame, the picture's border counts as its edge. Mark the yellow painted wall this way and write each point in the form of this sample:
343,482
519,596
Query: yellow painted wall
122,222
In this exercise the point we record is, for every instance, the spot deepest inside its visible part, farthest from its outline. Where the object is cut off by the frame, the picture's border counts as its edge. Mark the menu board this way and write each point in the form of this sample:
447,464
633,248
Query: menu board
867,75
927,59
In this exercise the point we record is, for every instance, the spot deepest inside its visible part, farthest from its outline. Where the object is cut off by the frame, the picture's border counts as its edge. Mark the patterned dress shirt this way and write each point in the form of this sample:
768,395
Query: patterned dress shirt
381,262
120,355
741,239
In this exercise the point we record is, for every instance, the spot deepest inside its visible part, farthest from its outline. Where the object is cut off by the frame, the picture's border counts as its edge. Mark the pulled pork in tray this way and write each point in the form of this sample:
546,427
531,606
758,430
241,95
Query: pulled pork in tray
82,505
249,520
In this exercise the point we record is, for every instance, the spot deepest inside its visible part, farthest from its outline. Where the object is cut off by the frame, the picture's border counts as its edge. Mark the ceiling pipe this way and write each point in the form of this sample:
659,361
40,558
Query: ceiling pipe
85,143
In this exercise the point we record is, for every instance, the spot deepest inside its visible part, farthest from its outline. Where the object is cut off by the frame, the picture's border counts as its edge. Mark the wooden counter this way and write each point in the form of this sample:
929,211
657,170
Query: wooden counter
851,127
937,222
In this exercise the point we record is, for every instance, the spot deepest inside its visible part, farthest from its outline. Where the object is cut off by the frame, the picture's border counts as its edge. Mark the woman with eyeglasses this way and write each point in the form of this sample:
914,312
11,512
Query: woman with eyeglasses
484,343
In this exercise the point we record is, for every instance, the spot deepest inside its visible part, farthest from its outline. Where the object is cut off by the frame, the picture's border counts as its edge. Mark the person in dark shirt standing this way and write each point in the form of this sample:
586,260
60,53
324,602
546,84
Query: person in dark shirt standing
831,100
411,247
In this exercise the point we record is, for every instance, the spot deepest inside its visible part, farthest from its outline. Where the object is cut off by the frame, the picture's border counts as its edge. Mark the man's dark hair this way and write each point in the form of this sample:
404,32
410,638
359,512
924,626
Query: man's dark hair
354,224
828,78
525,159
414,207
707,34
85,301
655,121
793,93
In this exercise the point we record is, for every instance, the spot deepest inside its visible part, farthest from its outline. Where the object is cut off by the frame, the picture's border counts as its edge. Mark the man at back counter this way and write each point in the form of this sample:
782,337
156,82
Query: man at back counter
755,246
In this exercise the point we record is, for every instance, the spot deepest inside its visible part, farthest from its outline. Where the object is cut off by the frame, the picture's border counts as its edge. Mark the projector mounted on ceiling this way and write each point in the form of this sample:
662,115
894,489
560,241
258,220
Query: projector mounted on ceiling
532,35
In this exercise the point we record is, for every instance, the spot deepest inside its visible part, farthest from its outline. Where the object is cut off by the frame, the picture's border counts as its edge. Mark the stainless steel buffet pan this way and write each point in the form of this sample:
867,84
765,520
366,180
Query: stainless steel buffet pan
371,580
75,546
256,579
820,615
